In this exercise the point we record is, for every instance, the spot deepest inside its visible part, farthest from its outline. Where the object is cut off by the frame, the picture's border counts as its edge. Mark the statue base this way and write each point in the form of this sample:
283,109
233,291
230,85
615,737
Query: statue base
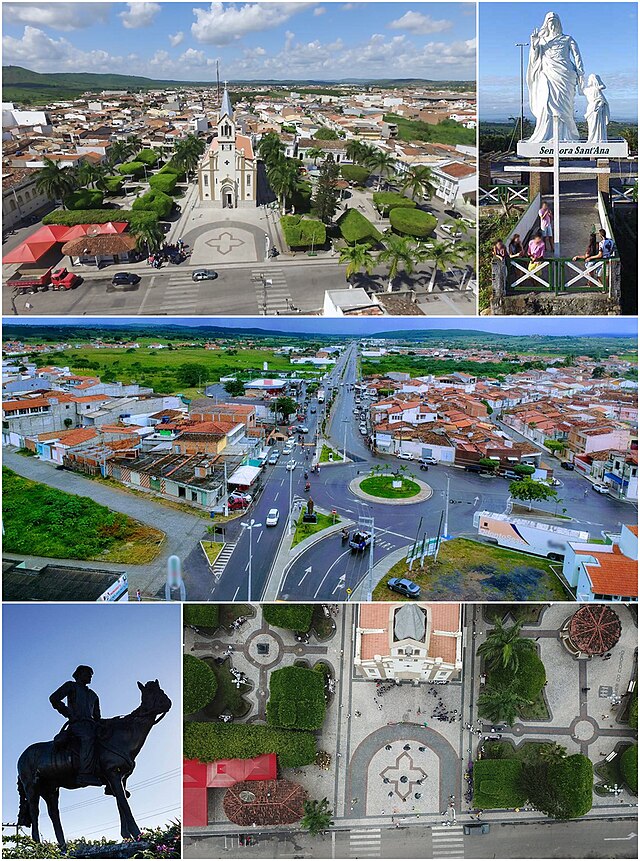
111,850
309,518
618,148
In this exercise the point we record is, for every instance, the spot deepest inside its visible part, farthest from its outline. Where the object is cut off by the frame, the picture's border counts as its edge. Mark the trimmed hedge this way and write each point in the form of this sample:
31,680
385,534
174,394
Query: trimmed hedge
497,784
633,710
202,615
199,684
148,156
629,767
113,184
529,679
84,198
296,699
355,228
385,201
355,173
99,216
208,742
164,182
294,617
159,203
170,167
412,222
131,168
570,785
303,232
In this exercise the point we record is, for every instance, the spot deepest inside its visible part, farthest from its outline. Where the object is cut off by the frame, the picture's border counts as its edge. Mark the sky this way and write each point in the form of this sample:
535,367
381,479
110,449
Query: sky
124,643
354,326
598,28
259,40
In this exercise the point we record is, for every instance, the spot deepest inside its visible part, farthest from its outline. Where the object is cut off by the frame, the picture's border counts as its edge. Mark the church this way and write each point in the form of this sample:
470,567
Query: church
227,175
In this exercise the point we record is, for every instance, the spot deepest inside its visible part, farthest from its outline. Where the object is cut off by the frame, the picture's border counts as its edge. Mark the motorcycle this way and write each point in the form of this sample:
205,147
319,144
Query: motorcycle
344,535
307,487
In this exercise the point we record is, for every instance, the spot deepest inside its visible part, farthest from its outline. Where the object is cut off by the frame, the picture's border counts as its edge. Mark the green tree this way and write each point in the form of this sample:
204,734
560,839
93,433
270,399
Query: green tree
358,258
357,151
55,181
318,816
325,201
325,134
270,148
504,646
528,490
68,423
599,372
554,445
189,374
489,463
418,181
119,151
188,152
315,153
235,388
283,178
500,704
382,163
442,255
400,253
283,405
524,469
148,234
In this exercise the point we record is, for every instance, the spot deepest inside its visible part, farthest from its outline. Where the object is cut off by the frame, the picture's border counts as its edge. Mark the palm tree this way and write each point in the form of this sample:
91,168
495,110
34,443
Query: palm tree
270,148
357,257
504,645
119,151
419,182
551,753
457,225
135,143
317,816
283,178
500,704
382,163
315,153
187,153
149,235
355,150
442,255
401,252
55,181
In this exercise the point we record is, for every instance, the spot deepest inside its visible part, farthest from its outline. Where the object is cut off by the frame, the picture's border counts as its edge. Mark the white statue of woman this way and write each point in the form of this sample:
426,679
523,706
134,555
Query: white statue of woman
597,115
554,72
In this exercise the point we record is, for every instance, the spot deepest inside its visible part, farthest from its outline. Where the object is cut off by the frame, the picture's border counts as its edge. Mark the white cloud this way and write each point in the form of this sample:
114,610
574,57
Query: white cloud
176,39
223,23
422,25
58,16
260,52
347,7
319,10
288,40
42,52
139,15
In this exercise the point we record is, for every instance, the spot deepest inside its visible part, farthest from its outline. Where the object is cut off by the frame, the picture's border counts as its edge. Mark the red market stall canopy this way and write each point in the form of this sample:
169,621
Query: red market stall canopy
48,236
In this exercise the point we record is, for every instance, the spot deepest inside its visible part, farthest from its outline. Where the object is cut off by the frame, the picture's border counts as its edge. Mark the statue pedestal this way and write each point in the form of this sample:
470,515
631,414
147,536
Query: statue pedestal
539,182
604,177
618,148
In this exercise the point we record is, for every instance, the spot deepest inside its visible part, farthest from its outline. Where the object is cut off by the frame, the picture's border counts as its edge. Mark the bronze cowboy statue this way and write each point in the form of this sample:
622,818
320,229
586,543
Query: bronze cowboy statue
89,751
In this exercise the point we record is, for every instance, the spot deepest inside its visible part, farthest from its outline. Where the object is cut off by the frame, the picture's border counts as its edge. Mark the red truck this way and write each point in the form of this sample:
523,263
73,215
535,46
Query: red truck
62,279
30,280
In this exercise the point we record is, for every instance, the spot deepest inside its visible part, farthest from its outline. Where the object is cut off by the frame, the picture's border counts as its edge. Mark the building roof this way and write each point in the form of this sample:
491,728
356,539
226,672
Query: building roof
612,573
99,246
264,802
226,108
378,619
595,629
54,582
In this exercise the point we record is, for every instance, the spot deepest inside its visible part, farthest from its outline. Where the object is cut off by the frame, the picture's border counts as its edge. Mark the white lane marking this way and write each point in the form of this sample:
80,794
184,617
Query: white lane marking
236,594
346,553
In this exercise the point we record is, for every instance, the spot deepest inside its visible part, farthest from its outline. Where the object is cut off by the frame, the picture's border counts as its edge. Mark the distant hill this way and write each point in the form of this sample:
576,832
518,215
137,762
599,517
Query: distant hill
33,88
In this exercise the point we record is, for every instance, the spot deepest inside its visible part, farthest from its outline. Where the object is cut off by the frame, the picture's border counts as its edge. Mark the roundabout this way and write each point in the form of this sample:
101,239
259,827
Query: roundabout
391,489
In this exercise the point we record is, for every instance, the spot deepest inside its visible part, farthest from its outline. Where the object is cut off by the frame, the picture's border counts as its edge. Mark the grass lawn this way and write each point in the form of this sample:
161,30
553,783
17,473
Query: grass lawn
528,614
37,520
610,772
326,451
304,530
382,486
230,612
212,550
322,626
228,697
496,784
471,571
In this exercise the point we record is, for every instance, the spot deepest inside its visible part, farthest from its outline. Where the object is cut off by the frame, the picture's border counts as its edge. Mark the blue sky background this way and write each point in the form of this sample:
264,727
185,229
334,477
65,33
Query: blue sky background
292,40
369,326
42,646
606,34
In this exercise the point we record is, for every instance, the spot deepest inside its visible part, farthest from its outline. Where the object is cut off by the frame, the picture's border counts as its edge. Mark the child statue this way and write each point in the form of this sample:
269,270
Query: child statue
597,114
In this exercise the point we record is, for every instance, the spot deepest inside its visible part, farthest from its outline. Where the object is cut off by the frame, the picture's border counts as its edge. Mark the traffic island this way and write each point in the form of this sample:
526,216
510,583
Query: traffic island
390,489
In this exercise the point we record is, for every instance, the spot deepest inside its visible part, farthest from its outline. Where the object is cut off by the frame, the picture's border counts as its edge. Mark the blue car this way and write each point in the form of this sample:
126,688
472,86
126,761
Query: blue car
404,587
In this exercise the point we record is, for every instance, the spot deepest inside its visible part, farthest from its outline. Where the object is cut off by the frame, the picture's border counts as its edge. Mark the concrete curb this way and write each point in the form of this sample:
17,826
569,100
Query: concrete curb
425,493
379,570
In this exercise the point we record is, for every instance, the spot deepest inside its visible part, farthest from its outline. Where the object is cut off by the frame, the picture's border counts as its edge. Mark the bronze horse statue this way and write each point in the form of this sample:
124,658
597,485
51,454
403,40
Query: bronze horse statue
44,768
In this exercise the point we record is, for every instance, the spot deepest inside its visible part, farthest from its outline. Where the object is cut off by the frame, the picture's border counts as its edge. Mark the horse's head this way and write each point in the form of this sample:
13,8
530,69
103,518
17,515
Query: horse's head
154,700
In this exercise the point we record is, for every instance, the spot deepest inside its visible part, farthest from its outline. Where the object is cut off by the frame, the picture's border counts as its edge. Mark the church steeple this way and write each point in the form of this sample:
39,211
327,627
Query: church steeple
226,110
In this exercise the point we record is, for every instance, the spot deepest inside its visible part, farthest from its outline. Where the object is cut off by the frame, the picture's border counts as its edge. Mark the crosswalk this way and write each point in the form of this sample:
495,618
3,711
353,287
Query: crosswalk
221,562
180,294
364,843
447,841
276,295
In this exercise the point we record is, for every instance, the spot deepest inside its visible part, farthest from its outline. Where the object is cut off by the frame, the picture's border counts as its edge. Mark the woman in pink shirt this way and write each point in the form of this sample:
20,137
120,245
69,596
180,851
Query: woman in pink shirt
546,224
535,251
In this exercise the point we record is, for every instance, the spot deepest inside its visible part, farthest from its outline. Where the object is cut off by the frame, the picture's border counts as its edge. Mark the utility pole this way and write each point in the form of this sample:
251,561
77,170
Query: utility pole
250,526
345,422
291,471
368,523
522,46
226,492
446,511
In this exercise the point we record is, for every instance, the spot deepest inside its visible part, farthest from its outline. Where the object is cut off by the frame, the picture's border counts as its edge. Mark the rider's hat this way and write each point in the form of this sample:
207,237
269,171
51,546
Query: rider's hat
81,670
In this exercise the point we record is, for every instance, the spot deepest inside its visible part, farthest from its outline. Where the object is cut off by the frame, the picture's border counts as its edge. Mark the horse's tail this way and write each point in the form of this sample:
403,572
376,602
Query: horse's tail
24,816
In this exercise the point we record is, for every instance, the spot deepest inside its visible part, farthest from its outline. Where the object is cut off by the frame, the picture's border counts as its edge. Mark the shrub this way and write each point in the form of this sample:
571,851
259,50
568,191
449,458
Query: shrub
84,198
412,222
384,201
629,767
170,167
131,168
497,783
569,788
355,173
208,742
354,228
296,699
303,232
155,201
528,680
100,216
294,617
164,182
148,156
113,184
202,615
633,710
199,684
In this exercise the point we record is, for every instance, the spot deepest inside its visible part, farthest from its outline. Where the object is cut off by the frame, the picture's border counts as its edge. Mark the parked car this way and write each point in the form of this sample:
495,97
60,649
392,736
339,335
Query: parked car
204,275
601,488
123,278
272,517
404,455
237,503
566,464
273,459
476,828
428,461
510,474
404,587
302,429
237,495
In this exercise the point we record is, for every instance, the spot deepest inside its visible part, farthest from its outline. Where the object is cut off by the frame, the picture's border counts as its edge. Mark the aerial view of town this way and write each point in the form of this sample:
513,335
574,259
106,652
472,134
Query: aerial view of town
422,730
259,158
215,460
557,200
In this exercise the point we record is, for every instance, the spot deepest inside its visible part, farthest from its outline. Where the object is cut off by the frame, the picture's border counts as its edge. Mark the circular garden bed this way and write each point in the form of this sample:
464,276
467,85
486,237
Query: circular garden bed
382,486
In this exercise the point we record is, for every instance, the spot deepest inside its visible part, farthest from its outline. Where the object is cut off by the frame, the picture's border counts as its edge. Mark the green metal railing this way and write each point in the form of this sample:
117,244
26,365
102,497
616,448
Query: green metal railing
559,275
496,194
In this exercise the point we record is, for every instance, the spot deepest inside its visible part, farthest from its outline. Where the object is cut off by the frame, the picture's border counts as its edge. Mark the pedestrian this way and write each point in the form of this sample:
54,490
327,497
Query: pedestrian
535,251
545,215
138,595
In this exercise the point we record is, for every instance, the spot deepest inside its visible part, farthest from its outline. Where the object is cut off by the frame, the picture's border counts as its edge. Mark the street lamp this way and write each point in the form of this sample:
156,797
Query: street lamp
522,46
250,526
345,422
291,464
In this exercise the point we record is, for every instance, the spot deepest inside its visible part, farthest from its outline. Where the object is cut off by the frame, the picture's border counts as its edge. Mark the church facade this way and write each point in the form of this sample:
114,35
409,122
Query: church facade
227,175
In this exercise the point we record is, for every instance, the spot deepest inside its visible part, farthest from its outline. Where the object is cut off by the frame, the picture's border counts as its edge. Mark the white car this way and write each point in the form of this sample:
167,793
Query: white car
601,488
287,449
272,517
448,228
404,455
292,465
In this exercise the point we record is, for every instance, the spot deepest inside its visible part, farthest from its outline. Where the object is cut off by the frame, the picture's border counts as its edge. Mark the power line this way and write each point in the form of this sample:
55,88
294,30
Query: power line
144,784
149,815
